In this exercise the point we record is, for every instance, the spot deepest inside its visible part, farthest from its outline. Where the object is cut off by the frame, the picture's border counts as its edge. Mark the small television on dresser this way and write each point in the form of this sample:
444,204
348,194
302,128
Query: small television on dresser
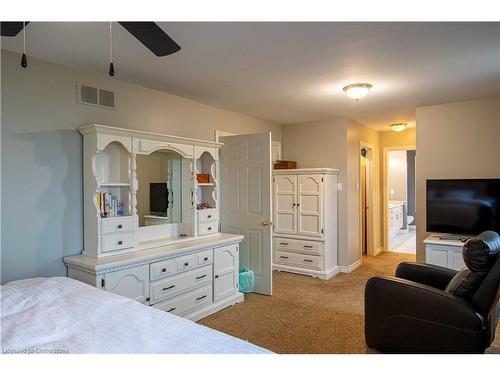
463,206
158,198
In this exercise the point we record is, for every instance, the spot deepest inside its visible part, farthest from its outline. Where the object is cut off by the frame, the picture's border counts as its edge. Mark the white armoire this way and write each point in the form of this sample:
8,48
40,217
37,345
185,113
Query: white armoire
305,221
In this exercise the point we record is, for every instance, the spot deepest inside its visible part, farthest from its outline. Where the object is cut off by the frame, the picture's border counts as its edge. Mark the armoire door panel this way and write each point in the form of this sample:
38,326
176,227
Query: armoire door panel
309,215
285,200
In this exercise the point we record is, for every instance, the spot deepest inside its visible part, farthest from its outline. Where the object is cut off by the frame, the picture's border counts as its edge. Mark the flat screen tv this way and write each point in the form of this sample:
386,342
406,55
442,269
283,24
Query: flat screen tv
463,206
158,198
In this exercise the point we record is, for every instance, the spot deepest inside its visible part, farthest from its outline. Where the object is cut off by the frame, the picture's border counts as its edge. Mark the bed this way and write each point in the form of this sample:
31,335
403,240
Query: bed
62,315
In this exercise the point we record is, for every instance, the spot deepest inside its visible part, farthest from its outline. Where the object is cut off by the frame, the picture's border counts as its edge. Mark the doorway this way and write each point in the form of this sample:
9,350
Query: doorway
399,199
366,198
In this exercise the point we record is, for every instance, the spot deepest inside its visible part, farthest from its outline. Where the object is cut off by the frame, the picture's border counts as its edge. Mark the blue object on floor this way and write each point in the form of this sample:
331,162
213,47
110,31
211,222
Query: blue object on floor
247,280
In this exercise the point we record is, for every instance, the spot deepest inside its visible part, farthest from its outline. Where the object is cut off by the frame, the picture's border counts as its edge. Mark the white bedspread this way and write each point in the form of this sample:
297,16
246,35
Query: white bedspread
62,315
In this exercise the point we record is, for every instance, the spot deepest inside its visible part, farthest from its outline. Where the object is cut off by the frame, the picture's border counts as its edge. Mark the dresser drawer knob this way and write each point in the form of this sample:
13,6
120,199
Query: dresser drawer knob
209,228
200,298
172,309
284,243
308,246
168,287
205,259
216,276
120,242
308,260
186,264
120,226
201,277
163,270
209,216
283,257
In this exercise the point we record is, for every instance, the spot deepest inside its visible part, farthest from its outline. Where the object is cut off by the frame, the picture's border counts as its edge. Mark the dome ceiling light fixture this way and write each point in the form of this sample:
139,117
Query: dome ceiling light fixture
357,90
398,127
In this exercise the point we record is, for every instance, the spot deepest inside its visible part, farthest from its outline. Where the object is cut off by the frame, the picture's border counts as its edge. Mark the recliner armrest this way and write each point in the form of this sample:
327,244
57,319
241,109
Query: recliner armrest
427,274
405,316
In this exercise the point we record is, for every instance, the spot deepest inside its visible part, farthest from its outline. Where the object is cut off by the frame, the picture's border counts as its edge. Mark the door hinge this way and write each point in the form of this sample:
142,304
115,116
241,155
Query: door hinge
147,299
322,231
102,283
322,179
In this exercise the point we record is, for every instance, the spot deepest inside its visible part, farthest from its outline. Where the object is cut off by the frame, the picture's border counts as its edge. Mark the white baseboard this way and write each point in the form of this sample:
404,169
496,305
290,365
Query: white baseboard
352,267
324,275
215,306
378,251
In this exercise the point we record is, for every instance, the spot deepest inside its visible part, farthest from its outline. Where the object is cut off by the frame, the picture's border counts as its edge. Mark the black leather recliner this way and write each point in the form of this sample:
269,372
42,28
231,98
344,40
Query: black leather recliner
431,309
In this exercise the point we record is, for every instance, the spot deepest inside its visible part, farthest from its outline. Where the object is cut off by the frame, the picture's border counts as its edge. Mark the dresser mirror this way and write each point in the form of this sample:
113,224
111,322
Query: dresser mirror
159,193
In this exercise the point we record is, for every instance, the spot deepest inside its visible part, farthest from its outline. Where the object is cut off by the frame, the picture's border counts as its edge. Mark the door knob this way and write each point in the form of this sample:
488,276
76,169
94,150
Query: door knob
266,223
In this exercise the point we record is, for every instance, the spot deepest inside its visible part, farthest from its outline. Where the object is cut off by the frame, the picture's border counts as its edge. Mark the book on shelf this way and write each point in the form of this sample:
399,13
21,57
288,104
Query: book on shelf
109,205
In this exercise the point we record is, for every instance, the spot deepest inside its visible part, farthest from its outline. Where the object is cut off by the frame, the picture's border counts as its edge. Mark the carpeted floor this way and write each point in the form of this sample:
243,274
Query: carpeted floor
307,315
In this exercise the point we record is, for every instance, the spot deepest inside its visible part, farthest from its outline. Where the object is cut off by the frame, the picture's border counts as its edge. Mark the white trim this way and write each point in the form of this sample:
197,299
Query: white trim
307,171
378,251
222,133
324,275
352,267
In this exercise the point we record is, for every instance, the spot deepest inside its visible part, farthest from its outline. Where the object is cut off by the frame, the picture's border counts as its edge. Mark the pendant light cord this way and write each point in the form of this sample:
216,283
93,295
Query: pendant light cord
110,42
24,36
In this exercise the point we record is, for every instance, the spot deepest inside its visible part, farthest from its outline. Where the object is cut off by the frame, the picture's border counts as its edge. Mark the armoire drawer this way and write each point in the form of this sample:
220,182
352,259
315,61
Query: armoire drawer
173,266
118,242
297,260
208,228
171,286
186,302
301,246
117,225
207,215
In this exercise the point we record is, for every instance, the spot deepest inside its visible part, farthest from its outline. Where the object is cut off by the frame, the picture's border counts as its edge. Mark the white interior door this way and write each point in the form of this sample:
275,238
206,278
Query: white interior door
245,197
285,213
309,205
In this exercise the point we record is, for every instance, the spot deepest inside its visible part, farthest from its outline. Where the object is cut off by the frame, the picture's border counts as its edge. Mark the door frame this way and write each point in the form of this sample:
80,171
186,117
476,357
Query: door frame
370,199
385,189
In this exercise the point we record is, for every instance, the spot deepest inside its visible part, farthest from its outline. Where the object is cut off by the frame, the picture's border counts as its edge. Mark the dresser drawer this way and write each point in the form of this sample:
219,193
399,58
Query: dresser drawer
171,286
118,242
204,258
297,260
208,215
300,246
208,228
117,225
186,302
173,266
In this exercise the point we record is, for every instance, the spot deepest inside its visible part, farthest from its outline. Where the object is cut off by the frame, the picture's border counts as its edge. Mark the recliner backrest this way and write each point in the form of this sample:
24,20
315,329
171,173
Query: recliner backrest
480,255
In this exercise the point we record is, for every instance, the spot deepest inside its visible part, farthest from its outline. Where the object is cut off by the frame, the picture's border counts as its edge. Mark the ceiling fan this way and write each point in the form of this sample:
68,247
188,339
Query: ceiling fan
148,33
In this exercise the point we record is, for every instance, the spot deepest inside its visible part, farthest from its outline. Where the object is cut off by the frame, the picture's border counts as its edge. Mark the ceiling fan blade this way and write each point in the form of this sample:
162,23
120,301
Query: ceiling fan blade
152,36
12,28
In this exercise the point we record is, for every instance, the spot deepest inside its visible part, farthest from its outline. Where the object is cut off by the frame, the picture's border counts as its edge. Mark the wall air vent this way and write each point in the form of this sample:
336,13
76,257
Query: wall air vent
95,96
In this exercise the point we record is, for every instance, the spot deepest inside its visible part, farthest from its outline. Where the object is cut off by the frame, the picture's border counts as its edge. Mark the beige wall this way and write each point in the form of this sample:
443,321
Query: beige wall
456,140
396,175
42,153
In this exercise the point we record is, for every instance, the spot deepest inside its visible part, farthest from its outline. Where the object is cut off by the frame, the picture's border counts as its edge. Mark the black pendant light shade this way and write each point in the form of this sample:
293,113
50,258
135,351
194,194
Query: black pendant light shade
24,61
111,69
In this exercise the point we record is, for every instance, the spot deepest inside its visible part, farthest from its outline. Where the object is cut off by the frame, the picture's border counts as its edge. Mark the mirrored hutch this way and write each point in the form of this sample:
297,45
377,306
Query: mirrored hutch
151,222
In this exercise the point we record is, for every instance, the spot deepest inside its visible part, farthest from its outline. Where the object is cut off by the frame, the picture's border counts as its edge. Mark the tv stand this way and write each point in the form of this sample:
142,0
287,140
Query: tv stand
445,250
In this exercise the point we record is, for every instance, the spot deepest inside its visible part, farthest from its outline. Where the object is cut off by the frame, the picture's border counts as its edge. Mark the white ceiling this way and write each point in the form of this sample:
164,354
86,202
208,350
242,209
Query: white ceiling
290,73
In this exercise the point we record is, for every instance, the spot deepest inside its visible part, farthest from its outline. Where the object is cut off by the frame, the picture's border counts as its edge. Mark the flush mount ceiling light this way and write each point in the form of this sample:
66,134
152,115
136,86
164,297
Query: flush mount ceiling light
357,90
399,127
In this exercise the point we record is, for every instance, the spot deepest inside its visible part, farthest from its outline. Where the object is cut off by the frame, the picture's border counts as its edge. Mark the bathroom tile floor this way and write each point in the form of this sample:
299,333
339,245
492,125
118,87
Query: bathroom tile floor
404,243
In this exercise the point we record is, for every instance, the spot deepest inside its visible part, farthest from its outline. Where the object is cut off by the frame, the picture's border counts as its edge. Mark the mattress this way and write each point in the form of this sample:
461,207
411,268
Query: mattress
62,315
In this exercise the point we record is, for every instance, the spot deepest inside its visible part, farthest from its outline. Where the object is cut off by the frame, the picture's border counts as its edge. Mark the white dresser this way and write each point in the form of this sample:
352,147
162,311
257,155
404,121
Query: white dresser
444,252
305,221
192,279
